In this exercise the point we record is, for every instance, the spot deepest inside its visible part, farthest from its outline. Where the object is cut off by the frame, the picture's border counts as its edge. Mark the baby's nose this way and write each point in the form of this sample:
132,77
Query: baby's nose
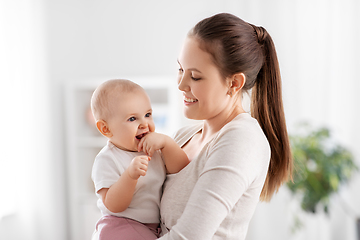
143,124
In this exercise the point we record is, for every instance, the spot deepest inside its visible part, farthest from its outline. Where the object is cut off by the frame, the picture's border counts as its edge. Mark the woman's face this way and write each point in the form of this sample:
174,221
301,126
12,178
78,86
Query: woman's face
204,90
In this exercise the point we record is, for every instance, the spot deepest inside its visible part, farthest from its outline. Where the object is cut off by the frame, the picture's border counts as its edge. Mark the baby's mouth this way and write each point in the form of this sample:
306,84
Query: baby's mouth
140,136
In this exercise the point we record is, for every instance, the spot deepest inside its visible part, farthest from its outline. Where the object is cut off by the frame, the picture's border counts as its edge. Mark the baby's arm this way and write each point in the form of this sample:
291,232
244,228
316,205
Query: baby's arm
175,158
118,197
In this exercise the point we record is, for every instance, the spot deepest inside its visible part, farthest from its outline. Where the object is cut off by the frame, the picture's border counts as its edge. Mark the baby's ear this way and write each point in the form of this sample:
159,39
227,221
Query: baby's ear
103,128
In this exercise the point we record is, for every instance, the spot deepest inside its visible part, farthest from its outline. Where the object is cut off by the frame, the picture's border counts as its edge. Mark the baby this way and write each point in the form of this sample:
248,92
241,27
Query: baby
129,171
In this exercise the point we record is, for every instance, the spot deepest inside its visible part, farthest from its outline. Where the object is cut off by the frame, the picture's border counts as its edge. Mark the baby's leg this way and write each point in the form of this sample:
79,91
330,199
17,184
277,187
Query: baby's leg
117,228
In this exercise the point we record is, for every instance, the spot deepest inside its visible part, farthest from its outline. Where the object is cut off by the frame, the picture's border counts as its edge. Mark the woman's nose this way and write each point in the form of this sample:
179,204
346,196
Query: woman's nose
182,84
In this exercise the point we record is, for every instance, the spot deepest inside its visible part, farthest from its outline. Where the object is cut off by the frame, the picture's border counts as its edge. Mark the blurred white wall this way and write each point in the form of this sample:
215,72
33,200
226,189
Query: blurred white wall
29,199
63,41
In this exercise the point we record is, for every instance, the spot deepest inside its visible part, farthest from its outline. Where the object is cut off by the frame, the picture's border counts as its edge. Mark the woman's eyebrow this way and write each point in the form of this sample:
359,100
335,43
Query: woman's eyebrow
191,69
194,69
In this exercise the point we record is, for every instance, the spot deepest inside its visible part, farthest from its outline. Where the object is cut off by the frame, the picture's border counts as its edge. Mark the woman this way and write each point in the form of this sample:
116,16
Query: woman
236,158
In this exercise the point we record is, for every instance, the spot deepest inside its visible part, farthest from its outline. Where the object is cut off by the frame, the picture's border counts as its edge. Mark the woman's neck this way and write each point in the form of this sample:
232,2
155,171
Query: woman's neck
213,125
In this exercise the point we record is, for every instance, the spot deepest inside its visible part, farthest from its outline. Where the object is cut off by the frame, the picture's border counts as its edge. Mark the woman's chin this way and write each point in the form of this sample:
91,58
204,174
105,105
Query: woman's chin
192,115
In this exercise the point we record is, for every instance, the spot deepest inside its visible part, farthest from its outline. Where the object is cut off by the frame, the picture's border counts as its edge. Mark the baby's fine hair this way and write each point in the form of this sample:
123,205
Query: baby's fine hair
104,95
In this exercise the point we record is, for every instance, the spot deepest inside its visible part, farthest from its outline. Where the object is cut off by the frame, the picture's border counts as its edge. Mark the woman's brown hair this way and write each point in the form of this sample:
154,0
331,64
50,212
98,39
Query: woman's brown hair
239,47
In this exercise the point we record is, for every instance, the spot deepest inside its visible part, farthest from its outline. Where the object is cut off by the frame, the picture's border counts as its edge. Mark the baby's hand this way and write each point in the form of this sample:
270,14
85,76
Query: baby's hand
138,166
151,142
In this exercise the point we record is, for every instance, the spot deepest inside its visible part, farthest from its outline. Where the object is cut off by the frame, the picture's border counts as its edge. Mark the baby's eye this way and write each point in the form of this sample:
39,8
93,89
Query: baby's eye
148,115
131,119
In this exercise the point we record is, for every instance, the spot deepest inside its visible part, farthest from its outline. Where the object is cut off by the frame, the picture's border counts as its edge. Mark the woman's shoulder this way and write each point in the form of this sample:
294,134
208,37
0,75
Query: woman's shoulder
242,138
243,127
241,121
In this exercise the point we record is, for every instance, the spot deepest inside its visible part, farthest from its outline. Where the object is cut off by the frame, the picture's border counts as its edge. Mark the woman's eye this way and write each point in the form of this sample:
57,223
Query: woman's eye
148,115
181,70
195,79
131,119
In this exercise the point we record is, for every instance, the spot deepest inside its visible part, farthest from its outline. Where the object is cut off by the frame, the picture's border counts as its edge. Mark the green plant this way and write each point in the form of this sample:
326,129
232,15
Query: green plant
321,166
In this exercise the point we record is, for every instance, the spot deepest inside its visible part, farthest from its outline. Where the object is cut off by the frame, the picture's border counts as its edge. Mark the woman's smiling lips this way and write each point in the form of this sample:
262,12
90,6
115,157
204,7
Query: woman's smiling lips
189,101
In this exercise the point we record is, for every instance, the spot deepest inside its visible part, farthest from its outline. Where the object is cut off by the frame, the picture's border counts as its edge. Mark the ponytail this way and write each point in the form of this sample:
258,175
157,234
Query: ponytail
239,47
267,108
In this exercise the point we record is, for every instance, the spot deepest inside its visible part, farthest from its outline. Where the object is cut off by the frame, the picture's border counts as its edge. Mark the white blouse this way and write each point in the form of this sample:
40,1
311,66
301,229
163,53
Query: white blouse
215,195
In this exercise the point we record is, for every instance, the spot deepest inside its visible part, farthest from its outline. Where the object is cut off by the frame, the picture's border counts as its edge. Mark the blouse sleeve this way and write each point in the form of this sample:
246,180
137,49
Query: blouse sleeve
234,161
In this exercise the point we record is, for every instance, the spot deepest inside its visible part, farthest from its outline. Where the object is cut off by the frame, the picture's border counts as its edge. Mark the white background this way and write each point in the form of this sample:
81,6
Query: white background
44,44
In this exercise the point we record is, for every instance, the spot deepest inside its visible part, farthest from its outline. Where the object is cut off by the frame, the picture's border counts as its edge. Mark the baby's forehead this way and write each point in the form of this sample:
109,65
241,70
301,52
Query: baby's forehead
130,103
117,94
129,100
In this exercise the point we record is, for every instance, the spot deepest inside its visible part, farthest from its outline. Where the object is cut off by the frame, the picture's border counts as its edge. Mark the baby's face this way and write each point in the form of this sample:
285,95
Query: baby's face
131,120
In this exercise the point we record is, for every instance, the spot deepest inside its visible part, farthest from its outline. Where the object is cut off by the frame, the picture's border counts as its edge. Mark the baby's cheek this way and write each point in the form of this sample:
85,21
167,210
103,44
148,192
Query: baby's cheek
152,127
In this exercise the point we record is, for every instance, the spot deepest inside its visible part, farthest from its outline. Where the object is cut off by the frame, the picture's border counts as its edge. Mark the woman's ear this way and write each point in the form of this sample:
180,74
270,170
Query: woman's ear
237,82
103,128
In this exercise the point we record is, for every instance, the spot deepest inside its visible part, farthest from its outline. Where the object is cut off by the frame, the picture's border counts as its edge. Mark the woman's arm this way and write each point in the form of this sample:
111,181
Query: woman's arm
118,197
174,157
